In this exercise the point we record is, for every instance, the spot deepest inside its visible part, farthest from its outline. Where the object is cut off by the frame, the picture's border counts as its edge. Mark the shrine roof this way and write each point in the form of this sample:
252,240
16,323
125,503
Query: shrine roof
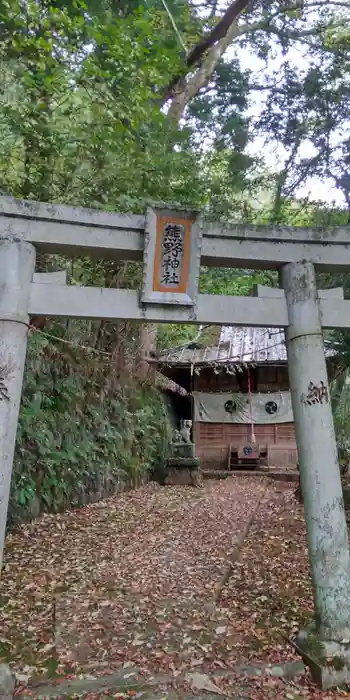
234,348
234,345
241,345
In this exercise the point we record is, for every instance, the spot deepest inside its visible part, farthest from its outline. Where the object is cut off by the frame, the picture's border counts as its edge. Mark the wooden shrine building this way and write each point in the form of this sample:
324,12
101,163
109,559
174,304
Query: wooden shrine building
241,405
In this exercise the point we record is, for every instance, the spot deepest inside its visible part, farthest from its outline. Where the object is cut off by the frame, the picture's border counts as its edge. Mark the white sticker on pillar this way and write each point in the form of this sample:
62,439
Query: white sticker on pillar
171,257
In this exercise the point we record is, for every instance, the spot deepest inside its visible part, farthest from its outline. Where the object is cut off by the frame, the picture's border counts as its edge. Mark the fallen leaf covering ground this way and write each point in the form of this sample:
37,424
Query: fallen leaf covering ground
129,582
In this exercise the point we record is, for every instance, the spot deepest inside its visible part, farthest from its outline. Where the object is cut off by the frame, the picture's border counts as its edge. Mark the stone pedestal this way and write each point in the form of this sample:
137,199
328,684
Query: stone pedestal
183,450
329,662
7,683
184,476
183,466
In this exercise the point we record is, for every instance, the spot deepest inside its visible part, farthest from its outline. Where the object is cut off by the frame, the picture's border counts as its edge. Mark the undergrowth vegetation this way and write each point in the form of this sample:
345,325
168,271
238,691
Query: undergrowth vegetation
81,437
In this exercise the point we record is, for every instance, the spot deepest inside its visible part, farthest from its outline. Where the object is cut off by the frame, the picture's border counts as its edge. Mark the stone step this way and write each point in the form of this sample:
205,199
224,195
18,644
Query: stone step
283,476
271,473
130,680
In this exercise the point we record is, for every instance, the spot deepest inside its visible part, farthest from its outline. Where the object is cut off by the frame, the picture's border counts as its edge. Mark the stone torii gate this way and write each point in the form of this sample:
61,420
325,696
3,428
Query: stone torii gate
172,244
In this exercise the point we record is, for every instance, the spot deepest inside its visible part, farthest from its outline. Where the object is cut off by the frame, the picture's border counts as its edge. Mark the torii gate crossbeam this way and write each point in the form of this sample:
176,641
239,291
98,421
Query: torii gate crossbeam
172,245
91,232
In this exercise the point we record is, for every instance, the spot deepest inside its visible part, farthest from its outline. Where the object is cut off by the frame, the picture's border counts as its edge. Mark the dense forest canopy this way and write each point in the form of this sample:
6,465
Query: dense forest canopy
113,104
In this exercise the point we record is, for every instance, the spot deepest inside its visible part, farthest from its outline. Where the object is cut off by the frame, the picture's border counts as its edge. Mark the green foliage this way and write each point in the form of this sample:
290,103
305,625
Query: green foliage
79,124
233,282
219,108
76,444
170,335
340,396
79,121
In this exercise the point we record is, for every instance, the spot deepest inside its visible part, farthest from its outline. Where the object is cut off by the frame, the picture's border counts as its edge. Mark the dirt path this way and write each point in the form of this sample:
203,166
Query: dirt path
129,583
130,575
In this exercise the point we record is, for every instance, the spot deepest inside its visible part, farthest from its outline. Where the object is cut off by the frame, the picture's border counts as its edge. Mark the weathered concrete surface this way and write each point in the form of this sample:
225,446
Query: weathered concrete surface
129,679
77,231
95,302
17,262
260,290
319,469
144,694
329,662
183,477
287,669
58,277
183,449
32,210
272,254
7,682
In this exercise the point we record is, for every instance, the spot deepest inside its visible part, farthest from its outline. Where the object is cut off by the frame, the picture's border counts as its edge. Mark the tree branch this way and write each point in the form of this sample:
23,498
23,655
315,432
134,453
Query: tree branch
217,33
187,90
210,49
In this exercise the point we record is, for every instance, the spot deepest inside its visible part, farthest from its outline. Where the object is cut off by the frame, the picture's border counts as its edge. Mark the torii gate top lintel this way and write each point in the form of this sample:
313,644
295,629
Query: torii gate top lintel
52,228
56,228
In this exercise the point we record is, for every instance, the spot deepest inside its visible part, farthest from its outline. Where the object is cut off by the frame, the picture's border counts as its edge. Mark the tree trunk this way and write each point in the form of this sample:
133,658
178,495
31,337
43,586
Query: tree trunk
182,89
147,343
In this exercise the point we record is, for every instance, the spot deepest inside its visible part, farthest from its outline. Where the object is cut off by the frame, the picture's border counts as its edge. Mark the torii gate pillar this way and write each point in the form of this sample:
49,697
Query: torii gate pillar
319,469
17,262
